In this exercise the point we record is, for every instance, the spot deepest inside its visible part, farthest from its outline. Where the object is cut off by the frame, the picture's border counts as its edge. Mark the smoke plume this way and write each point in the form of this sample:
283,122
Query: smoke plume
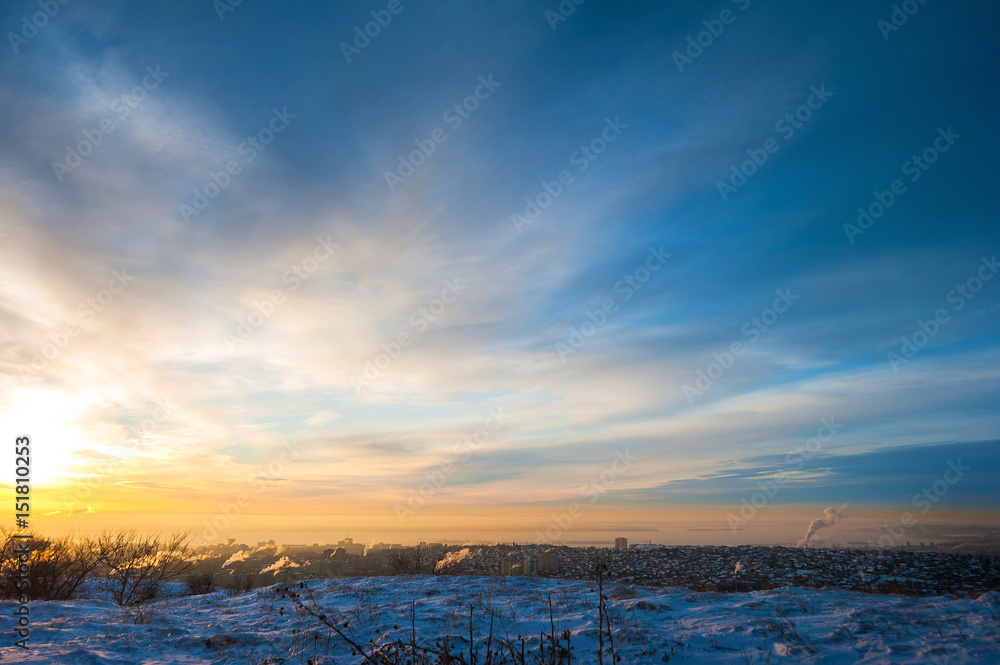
280,565
452,558
236,558
830,517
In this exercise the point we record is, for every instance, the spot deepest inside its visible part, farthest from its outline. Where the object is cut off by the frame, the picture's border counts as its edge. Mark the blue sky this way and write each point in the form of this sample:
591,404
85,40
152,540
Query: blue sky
366,257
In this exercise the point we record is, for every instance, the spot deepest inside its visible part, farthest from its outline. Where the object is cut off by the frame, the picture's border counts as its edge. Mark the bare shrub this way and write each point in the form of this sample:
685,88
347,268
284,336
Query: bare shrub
239,583
200,583
58,566
401,563
139,566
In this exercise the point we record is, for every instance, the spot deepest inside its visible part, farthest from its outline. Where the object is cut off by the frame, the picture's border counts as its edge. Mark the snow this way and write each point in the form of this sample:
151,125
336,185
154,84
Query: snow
264,625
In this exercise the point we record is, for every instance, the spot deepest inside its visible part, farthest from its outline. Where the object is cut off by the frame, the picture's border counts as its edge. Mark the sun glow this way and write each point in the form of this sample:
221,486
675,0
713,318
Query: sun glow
52,420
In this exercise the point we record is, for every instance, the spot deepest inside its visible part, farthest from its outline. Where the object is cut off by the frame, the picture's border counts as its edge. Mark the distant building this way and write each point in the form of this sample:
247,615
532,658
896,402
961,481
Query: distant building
529,565
621,543
510,568
351,547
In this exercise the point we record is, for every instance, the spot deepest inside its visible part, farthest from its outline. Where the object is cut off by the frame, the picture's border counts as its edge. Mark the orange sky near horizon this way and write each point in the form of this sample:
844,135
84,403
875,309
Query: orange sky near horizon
288,521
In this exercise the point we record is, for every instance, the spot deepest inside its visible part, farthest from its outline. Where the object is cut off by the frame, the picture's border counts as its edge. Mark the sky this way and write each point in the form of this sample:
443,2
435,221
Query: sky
686,272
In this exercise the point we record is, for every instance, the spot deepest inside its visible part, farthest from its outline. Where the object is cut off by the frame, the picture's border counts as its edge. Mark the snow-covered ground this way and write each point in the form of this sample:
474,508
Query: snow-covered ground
266,626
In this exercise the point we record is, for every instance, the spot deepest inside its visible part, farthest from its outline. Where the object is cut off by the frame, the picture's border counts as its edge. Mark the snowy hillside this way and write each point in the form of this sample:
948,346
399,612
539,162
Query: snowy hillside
648,625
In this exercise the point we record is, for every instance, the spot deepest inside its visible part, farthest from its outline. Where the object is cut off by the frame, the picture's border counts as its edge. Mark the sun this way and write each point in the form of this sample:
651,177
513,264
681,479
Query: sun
51,419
